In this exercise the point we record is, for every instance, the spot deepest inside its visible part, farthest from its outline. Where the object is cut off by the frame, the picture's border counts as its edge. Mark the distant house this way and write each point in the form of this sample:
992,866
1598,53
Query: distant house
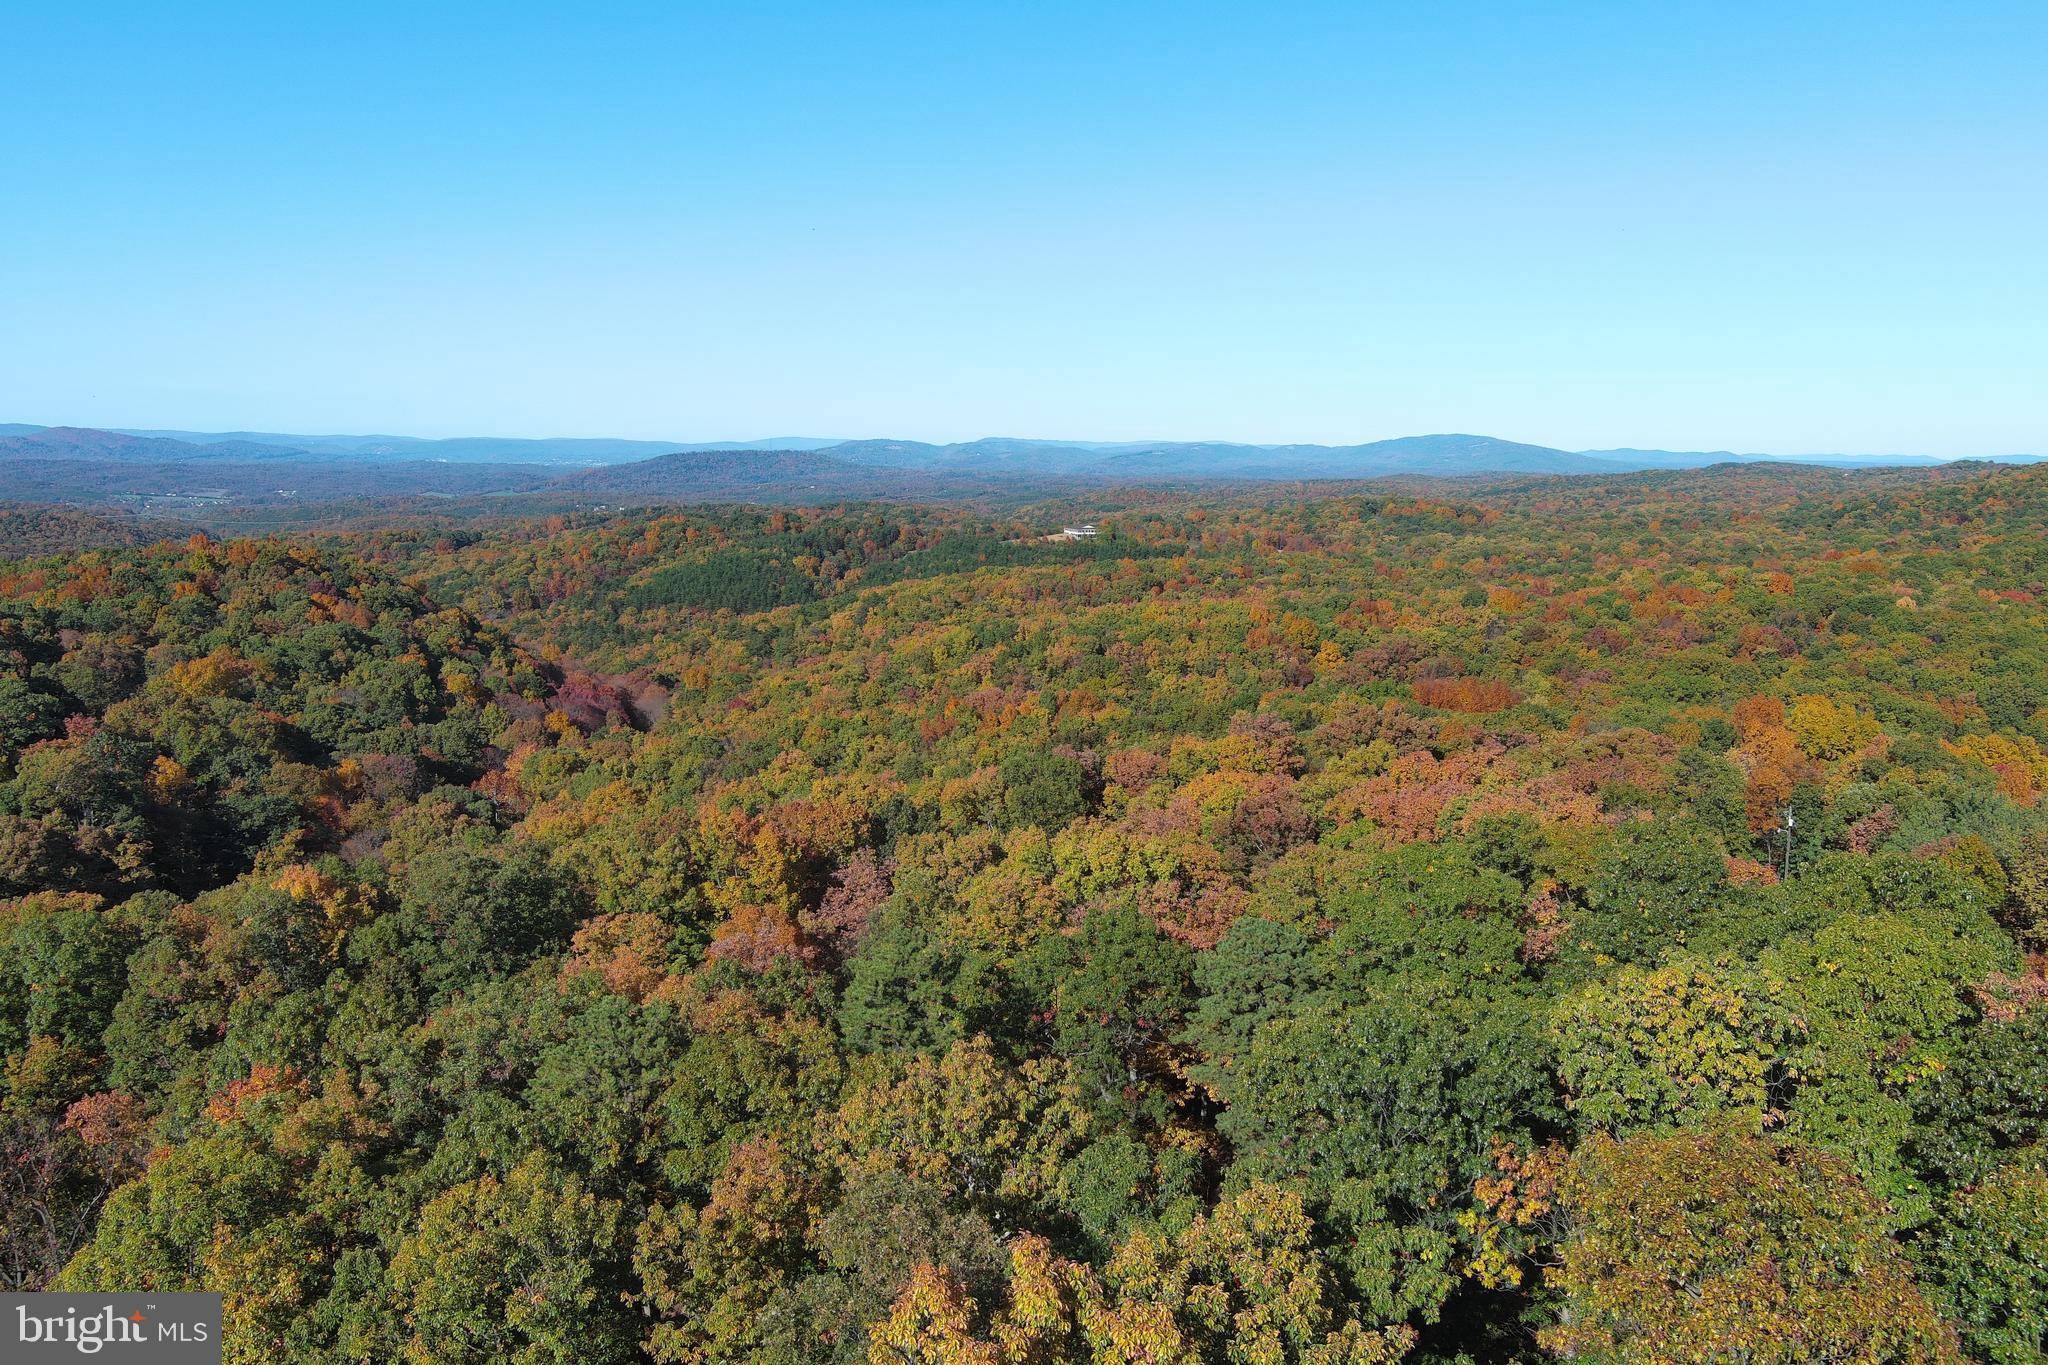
1078,532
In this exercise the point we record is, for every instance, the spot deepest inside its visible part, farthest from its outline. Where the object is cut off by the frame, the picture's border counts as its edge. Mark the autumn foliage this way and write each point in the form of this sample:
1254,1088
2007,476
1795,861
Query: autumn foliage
1596,919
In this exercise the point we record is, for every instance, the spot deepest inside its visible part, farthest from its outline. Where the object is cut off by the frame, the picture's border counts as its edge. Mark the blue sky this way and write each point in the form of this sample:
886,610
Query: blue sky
1785,227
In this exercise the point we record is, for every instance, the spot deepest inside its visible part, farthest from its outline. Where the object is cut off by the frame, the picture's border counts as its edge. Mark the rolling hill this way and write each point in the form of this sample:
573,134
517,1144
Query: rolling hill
772,475
172,470
92,443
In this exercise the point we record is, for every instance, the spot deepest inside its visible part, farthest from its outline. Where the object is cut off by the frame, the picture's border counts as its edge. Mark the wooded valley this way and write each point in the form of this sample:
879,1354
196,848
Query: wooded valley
1580,918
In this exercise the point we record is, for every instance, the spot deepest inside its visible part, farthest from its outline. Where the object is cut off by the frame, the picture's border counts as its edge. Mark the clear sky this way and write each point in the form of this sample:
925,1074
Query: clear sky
1779,227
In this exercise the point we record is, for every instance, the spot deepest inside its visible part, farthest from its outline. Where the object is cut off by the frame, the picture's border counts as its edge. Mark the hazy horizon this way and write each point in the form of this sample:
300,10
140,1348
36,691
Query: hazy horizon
1745,228
762,442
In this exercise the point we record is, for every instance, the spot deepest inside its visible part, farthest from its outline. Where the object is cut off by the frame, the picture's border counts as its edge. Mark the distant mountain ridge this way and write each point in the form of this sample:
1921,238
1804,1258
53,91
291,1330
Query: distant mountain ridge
1439,453
793,475
165,469
579,451
1681,459
92,443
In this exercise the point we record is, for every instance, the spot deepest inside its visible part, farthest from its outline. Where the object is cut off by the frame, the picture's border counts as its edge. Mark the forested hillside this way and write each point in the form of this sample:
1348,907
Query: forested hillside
1589,919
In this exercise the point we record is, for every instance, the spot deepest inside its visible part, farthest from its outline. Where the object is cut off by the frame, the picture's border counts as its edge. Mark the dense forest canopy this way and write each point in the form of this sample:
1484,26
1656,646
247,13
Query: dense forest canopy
1596,919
